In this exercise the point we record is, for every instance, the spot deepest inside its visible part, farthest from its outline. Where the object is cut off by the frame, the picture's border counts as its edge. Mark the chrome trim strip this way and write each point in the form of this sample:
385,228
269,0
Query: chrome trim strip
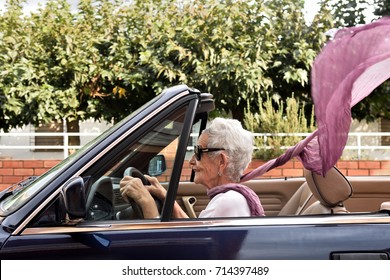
134,128
268,221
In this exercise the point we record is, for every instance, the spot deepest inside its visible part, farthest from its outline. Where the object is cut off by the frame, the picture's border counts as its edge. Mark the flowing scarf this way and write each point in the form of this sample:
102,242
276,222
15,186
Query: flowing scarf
347,70
251,197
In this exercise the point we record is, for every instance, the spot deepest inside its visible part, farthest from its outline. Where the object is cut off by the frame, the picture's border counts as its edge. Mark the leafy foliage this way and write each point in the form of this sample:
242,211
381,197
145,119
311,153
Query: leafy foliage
276,116
111,56
347,13
382,8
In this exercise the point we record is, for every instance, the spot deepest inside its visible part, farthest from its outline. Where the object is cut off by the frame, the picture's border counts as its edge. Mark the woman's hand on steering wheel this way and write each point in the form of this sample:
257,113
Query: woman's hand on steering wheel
155,188
134,191
131,187
135,188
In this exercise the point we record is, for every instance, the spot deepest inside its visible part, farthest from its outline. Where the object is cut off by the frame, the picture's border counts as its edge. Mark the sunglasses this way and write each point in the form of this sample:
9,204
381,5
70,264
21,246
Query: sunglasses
198,151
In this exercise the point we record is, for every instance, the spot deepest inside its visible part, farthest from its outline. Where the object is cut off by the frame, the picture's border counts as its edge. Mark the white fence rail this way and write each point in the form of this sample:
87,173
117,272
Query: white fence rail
13,140
361,145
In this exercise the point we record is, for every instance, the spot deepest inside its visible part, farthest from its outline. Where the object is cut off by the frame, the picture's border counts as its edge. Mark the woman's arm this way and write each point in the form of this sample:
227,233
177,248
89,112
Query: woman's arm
160,192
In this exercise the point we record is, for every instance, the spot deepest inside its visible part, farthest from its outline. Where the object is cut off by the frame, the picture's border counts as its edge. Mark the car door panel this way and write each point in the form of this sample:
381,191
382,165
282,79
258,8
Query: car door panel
368,193
250,238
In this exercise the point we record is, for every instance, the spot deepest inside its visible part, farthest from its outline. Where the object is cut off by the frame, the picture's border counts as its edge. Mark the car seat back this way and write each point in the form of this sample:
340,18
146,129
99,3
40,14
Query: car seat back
330,191
298,202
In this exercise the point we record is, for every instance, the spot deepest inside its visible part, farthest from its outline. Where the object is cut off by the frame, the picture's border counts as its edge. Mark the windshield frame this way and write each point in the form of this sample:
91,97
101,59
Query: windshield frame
13,202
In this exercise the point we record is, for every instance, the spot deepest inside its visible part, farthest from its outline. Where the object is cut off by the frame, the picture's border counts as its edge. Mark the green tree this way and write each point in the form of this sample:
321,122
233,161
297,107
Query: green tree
277,116
347,13
234,49
382,8
59,65
109,57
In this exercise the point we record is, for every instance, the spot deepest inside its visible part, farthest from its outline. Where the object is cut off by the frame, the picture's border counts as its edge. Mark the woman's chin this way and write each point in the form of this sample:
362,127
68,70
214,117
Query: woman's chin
198,180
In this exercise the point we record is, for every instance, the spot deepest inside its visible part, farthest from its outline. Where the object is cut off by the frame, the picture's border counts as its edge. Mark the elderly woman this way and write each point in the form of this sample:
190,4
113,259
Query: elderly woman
223,153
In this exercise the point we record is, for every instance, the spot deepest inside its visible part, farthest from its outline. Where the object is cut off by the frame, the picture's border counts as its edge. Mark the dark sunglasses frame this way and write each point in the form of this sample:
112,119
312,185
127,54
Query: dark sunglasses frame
198,151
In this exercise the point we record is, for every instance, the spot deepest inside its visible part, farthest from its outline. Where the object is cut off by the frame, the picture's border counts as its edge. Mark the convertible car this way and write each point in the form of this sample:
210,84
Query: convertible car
75,210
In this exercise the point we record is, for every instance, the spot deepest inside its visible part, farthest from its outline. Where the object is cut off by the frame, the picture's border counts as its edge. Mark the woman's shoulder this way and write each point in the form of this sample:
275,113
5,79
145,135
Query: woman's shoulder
230,197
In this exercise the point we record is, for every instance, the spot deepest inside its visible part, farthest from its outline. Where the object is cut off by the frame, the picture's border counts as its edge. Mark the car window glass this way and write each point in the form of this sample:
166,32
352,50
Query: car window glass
148,154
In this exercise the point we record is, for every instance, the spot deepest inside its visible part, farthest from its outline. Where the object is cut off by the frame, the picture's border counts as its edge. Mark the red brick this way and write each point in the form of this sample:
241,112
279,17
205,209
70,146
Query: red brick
186,164
24,172
39,171
288,172
186,172
13,163
369,164
184,178
288,165
169,164
256,163
298,164
3,186
357,172
347,164
168,172
163,179
7,171
385,165
12,179
343,171
276,172
50,163
380,172
33,164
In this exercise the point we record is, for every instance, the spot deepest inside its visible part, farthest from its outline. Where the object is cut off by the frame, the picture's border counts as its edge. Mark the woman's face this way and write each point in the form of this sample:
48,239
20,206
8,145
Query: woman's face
206,169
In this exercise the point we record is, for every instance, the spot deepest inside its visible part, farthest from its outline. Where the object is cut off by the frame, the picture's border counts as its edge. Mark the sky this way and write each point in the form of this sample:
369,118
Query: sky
311,6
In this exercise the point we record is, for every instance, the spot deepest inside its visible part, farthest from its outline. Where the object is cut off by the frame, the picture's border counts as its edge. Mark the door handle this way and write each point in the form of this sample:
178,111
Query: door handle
359,256
189,202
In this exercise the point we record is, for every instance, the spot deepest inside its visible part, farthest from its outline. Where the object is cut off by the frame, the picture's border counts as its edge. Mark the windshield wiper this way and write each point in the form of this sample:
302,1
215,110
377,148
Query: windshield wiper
15,188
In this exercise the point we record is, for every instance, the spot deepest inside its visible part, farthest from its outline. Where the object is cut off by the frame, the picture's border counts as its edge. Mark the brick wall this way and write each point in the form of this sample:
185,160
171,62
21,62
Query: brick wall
13,171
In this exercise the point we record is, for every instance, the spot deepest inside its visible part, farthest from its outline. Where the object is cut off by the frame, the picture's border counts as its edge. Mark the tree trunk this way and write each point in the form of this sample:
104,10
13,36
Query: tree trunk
238,113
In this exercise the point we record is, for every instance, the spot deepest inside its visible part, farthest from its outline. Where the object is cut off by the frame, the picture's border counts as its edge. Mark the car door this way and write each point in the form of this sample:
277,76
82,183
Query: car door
363,236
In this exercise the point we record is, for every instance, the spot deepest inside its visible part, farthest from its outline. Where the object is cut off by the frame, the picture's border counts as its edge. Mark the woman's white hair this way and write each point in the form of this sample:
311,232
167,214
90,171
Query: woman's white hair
237,142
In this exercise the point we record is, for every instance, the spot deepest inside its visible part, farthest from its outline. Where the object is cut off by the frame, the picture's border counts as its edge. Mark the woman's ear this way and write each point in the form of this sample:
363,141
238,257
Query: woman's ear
223,162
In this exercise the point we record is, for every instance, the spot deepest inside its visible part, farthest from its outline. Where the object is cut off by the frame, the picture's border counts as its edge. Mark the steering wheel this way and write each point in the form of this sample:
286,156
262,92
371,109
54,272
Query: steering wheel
134,172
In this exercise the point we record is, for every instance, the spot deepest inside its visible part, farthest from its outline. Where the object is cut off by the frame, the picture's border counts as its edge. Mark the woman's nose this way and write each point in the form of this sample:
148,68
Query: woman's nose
192,160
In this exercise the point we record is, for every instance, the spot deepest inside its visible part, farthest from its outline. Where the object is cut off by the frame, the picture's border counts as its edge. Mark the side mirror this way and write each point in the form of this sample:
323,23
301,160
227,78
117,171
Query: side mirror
157,165
74,198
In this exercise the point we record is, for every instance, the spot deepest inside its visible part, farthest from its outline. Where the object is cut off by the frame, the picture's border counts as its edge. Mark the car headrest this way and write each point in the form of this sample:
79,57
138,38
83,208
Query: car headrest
330,190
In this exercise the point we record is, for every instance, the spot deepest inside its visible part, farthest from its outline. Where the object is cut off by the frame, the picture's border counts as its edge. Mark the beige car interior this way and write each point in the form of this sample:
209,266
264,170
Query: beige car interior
298,202
385,206
319,195
330,191
311,194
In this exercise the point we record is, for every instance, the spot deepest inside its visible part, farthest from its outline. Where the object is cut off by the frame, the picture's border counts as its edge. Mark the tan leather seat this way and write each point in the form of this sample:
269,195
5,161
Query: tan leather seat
385,206
330,191
298,202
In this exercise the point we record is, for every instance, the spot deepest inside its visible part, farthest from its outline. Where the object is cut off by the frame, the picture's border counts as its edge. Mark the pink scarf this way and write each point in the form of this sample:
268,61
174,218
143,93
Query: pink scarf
348,69
251,197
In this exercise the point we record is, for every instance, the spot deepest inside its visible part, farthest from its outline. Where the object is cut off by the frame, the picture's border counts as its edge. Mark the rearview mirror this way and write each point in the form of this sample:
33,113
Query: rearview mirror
157,165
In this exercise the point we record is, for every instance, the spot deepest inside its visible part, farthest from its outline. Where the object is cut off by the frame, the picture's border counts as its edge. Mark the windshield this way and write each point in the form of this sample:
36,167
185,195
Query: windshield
15,199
